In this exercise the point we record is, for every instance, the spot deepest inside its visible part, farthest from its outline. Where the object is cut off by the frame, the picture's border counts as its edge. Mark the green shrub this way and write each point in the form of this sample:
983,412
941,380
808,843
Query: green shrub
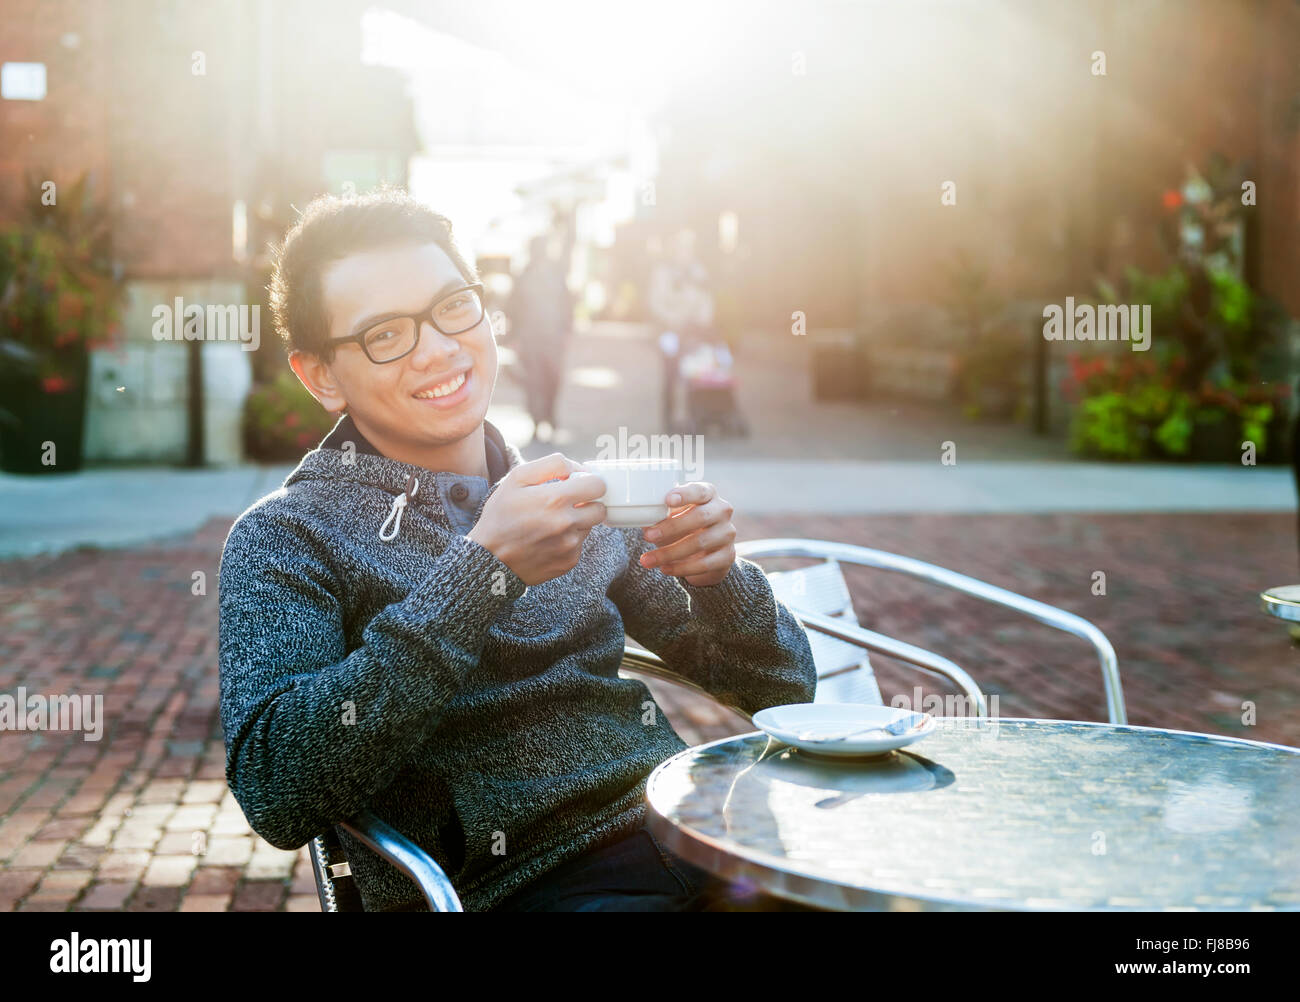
282,421
1105,427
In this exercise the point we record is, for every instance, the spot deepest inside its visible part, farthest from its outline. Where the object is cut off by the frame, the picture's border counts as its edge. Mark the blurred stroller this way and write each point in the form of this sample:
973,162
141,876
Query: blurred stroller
709,376
681,302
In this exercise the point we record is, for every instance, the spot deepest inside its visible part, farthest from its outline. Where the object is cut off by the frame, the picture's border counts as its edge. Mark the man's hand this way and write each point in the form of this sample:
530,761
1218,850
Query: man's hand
697,540
537,527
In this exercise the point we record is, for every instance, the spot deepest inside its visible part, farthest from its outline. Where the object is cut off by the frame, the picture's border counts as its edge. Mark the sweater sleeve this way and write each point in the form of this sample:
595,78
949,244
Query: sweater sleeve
735,639
313,731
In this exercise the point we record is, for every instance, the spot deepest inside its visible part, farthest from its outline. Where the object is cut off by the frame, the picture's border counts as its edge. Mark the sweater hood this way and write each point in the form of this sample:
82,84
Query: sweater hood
407,483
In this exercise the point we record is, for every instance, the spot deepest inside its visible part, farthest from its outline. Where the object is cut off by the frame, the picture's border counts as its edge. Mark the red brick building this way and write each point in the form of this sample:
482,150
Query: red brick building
829,131
202,124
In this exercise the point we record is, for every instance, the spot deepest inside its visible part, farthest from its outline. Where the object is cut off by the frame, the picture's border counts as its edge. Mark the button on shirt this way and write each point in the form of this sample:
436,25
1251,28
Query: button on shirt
460,498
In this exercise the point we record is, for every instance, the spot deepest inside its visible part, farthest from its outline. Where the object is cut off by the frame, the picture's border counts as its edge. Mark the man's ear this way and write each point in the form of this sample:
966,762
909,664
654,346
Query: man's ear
315,375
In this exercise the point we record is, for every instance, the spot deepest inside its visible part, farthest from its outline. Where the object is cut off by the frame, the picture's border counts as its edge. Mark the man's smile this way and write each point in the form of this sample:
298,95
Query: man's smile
447,391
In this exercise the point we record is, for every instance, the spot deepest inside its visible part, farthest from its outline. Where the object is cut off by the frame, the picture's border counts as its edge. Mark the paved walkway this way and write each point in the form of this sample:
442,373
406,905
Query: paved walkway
142,819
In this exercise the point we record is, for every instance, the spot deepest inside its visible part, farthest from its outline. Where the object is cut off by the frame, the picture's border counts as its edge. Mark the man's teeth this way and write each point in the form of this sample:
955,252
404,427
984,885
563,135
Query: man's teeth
443,389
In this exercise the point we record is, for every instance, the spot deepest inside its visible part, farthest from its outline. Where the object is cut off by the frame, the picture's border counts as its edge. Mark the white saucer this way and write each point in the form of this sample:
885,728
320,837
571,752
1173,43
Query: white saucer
786,723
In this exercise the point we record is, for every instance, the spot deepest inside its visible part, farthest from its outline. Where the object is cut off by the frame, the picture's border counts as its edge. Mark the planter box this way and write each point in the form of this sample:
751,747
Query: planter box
39,417
919,373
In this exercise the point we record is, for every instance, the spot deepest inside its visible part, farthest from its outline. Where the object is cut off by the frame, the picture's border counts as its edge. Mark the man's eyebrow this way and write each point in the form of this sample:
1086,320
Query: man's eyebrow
379,318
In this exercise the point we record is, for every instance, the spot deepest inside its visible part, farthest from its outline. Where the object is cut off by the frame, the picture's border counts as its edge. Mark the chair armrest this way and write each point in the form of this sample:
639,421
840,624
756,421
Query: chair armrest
1049,615
918,657
385,840
646,663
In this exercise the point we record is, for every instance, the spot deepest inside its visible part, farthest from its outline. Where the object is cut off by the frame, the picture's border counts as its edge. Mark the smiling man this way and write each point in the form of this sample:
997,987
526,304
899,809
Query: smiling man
420,623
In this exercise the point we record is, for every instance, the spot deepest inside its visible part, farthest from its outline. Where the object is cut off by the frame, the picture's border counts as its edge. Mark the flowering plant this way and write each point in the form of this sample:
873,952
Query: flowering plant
59,294
1131,407
282,420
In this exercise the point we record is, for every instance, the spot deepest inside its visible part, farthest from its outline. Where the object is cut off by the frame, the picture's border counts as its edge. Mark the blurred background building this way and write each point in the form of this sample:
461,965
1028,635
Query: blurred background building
889,176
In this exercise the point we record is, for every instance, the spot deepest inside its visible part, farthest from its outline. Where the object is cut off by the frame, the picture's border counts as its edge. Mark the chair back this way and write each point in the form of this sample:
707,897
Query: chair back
844,672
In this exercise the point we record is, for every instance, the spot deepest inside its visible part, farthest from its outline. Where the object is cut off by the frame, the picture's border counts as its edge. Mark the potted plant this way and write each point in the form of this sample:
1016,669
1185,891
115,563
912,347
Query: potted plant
282,421
59,297
1214,374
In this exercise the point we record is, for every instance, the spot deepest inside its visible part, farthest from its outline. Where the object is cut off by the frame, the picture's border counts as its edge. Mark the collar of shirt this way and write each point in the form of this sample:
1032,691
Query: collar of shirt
494,445
460,495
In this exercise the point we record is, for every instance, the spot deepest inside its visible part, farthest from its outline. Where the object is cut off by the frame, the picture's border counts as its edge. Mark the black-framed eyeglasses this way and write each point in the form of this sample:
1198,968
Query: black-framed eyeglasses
455,313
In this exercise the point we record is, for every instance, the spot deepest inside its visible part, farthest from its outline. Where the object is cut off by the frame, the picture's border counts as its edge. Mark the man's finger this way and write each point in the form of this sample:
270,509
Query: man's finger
696,492
591,514
705,563
556,466
581,486
676,526
711,538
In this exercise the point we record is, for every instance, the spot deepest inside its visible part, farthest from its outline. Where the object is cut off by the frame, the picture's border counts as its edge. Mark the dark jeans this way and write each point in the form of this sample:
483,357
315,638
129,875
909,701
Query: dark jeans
636,874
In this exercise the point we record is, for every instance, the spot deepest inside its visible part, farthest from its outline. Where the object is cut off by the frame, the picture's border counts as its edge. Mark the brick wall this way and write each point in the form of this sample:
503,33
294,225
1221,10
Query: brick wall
67,132
180,108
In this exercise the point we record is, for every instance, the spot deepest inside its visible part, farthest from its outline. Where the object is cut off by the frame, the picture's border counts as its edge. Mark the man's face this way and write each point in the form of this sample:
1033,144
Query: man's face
394,400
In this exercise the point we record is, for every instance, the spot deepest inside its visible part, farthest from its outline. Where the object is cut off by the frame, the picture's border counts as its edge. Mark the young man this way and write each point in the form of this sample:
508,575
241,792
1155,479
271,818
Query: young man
420,623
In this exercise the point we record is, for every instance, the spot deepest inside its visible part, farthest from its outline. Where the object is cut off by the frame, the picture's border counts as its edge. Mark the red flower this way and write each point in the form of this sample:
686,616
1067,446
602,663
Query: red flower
66,338
292,420
304,439
54,384
1172,199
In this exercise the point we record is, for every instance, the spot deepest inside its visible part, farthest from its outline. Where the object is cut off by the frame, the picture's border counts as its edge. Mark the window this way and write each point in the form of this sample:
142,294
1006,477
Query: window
22,81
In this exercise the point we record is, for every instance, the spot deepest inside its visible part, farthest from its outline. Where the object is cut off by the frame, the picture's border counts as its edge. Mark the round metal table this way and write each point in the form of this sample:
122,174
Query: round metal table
1284,602
995,814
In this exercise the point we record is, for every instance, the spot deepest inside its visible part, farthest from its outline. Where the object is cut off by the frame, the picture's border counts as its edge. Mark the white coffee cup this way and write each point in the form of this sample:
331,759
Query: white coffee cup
635,489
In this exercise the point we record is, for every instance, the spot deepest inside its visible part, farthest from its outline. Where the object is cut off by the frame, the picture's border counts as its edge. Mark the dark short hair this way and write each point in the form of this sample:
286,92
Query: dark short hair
329,229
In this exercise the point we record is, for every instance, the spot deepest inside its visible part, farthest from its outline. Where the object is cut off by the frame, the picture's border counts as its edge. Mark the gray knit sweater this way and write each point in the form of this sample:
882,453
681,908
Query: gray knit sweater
421,678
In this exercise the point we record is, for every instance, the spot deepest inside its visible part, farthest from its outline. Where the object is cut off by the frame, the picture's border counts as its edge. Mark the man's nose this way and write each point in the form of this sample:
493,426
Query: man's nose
433,346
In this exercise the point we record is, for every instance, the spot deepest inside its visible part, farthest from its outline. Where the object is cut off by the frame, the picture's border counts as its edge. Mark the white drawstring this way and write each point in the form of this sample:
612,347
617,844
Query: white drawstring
399,503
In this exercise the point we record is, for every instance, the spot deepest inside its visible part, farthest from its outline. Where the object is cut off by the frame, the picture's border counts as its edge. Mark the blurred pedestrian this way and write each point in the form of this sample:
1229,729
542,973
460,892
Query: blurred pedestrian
681,303
541,314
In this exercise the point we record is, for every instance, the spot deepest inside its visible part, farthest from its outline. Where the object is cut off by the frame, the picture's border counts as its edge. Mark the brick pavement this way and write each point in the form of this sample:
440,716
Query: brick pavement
142,820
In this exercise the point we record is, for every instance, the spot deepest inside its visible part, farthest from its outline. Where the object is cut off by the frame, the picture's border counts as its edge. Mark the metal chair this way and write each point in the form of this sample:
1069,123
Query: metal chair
819,597
824,591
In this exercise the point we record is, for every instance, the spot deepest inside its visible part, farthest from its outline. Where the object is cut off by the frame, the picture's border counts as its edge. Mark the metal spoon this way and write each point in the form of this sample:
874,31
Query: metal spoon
900,726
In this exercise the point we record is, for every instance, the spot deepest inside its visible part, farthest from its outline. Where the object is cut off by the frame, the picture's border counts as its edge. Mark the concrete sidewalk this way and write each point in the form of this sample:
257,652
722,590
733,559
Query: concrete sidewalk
121,507
124,507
